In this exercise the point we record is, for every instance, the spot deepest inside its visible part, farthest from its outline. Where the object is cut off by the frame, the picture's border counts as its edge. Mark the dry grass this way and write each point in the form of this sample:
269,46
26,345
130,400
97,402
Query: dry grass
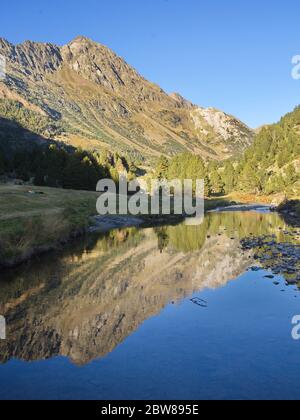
39,221
32,234
17,200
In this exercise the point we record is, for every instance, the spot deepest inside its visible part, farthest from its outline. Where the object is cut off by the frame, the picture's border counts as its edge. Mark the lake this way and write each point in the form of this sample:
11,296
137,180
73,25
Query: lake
175,312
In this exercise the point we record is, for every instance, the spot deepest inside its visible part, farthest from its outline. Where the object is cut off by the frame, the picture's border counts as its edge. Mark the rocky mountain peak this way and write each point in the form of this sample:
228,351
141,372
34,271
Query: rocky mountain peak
99,99
181,101
5,44
211,121
82,39
99,64
32,59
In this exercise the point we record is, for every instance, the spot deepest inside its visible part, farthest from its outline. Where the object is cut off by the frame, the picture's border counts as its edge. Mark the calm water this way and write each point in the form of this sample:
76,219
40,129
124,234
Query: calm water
166,313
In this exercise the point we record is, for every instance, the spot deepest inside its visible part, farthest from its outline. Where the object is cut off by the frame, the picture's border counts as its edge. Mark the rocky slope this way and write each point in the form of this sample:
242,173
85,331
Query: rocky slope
89,97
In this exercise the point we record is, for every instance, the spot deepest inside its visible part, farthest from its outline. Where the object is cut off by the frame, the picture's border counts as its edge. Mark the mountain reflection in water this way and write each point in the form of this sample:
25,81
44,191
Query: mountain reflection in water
84,302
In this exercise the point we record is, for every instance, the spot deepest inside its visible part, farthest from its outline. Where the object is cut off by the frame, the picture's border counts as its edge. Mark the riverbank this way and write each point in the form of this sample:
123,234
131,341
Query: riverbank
35,220
102,224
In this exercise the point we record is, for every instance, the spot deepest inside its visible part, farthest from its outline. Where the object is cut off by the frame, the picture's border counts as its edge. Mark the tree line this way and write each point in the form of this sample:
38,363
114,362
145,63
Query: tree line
57,167
189,166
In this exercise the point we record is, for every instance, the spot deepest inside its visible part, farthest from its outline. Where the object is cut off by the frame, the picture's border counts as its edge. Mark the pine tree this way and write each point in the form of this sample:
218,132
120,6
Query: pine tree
216,182
207,187
228,177
162,167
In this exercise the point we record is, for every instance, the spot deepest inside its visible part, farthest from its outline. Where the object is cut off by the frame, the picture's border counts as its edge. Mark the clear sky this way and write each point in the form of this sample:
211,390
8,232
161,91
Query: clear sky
234,55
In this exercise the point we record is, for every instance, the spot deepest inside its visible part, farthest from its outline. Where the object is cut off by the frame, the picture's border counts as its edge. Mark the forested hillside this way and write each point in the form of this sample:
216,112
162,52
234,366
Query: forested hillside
271,165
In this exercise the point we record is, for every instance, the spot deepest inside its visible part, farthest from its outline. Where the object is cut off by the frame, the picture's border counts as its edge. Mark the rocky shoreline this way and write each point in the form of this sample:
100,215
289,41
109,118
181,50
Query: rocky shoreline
282,258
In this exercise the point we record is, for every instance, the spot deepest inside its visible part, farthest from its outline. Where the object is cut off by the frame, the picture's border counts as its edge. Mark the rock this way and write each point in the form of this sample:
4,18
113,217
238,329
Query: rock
291,281
255,268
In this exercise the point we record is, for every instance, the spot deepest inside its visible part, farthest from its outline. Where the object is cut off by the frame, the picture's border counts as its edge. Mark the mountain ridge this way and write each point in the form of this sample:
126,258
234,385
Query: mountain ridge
104,103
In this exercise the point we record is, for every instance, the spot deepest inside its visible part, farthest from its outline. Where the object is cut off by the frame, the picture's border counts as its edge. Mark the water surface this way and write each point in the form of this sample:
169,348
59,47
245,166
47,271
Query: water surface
165,313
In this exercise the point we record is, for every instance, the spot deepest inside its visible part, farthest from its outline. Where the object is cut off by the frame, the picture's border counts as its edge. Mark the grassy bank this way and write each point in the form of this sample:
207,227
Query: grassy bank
38,219
34,219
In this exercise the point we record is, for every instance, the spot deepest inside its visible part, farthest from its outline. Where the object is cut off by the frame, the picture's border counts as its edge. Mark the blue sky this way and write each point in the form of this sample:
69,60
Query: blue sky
234,55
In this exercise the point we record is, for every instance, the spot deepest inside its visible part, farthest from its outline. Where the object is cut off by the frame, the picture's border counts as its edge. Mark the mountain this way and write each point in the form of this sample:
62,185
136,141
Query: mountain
86,96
